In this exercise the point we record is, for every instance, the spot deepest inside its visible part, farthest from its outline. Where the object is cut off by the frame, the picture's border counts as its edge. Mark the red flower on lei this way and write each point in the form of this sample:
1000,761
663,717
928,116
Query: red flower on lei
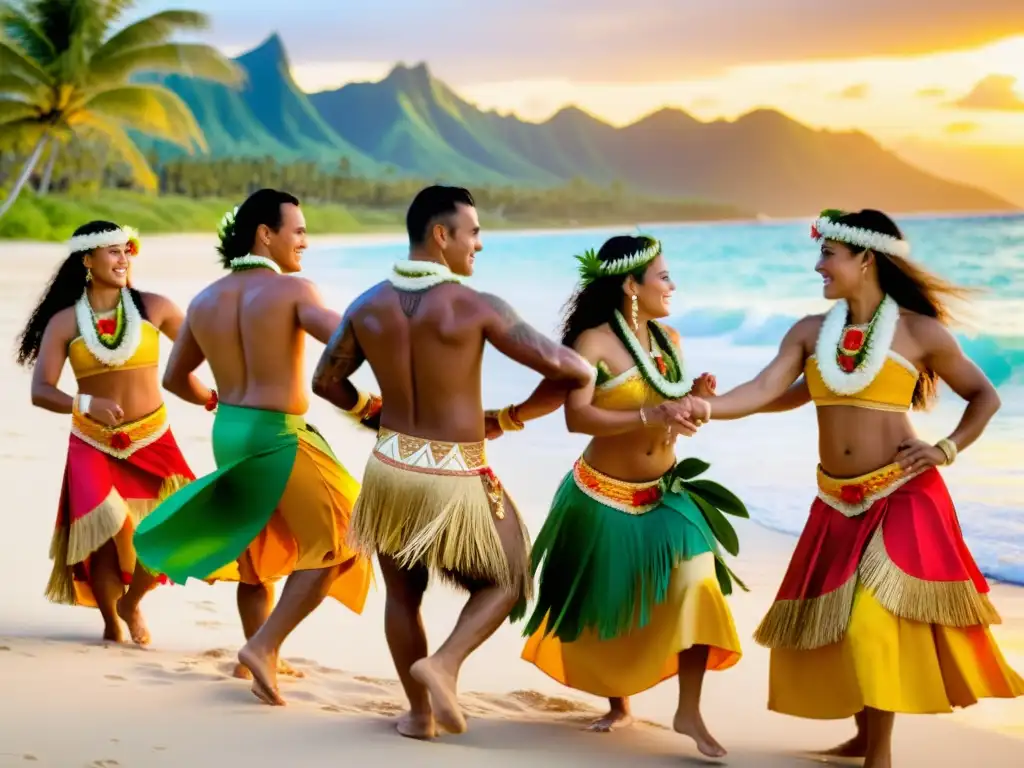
106,326
847,363
853,339
119,441
662,367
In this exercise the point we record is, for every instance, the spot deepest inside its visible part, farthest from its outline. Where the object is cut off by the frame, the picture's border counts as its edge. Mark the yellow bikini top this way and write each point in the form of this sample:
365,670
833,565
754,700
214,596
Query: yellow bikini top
84,364
626,392
891,390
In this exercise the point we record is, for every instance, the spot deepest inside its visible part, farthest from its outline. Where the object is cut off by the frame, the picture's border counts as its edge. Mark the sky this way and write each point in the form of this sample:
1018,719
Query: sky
942,78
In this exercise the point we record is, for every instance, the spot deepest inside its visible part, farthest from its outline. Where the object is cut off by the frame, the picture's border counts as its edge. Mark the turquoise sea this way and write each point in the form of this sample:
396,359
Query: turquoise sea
739,288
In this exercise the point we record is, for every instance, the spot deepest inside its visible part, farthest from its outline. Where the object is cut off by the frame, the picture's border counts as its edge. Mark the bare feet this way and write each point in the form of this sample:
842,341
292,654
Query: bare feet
283,668
613,721
136,624
855,747
112,632
264,675
415,726
443,696
693,726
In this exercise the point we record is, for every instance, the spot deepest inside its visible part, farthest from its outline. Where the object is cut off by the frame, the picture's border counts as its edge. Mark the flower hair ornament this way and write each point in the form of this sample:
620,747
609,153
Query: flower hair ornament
125,236
226,228
828,227
592,268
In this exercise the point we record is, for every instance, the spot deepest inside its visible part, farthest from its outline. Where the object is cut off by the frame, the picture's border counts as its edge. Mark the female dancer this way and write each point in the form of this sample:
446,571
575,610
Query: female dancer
629,591
122,457
882,598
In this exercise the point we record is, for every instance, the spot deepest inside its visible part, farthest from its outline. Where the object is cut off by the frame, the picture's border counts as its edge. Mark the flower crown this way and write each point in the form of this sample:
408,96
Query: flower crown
592,268
828,227
125,236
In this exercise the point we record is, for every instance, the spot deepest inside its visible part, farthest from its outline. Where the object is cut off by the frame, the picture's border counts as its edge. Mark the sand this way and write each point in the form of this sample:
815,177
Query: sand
73,701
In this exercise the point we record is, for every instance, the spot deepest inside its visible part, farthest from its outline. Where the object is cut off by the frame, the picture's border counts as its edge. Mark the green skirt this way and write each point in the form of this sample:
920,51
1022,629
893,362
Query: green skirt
607,551
278,501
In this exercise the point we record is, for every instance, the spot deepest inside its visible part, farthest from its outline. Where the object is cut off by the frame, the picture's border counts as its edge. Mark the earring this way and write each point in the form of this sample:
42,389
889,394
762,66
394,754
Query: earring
88,275
636,313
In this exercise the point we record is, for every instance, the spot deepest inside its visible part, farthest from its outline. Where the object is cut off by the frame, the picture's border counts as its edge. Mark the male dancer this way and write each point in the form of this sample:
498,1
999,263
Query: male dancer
429,501
279,501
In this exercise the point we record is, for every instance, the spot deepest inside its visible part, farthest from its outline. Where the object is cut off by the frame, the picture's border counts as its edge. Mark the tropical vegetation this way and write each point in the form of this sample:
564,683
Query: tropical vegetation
68,73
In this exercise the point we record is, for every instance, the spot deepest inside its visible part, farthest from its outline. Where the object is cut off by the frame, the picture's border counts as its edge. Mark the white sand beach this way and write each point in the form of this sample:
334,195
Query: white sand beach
72,701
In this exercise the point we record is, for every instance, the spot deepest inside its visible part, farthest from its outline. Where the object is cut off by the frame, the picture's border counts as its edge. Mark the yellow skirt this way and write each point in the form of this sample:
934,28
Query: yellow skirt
890,664
693,613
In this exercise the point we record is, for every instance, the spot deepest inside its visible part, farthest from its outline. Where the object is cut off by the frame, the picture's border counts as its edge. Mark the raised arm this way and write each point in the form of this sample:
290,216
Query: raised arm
172,323
519,341
53,353
771,383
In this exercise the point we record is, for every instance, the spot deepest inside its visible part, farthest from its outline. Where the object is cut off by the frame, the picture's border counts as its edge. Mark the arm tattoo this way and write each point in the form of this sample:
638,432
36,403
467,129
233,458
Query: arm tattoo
340,359
516,330
410,301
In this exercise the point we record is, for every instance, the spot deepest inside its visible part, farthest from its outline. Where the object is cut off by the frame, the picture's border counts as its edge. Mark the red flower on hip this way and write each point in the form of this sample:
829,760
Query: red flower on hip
852,494
853,339
107,326
847,363
120,440
647,496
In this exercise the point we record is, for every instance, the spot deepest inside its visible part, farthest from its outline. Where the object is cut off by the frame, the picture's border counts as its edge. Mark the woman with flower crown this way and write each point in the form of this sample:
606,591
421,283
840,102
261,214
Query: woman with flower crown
882,598
632,580
122,456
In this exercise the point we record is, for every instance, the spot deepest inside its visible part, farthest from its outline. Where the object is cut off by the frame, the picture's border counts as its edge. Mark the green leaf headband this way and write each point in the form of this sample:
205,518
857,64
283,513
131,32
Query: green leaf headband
828,227
592,268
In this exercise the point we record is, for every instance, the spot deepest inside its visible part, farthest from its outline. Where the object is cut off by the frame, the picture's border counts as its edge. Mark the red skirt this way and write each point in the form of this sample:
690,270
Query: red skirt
113,478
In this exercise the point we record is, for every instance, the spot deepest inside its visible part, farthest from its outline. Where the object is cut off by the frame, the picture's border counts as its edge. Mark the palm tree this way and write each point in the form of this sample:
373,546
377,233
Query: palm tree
67,70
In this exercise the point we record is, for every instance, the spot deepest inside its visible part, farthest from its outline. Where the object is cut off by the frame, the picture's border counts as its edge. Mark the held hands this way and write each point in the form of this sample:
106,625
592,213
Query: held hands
704,385
916,455
105,411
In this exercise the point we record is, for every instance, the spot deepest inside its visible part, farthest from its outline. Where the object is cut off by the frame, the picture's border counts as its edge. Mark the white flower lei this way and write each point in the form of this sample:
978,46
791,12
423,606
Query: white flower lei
878,342
250,261
670,390
421,275
130,338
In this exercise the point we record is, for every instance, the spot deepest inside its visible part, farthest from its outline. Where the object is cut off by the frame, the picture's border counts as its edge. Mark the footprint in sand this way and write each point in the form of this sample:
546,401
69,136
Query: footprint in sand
30,758
5,647
115,677
159,749
210,624
104,764
205,606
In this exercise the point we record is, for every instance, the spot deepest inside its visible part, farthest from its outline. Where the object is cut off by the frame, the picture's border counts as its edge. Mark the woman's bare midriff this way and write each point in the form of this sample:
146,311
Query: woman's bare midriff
856,441
137,391
635,456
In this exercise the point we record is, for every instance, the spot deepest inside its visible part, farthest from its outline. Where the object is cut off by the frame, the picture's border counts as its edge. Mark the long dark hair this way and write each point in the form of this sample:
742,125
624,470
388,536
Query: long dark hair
595,303
64,289
912,287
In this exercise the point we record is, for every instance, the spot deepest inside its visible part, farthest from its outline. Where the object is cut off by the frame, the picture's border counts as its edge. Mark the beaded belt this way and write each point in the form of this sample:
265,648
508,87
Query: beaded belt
438,457
123,440
631,498
854,496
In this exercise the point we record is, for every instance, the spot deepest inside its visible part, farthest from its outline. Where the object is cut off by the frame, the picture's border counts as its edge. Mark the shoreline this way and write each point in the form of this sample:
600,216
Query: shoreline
175,704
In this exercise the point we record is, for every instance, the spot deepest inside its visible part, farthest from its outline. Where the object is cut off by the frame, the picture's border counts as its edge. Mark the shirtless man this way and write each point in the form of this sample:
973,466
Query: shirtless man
429,500
279,502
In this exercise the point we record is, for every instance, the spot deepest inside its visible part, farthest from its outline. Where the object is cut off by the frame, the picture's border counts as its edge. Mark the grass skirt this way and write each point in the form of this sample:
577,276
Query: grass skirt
628,580
113,479
438,505
883,599
278,502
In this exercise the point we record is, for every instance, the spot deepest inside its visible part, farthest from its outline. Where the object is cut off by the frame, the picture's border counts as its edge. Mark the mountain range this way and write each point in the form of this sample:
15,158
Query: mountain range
410,123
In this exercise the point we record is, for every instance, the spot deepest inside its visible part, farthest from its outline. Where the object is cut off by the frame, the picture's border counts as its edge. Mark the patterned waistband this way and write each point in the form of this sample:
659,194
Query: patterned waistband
123,440
631,498
431,456
854,496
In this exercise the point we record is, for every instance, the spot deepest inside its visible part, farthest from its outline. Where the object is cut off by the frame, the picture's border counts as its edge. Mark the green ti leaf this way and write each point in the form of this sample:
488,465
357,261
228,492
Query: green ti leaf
689,468
719,525
722,498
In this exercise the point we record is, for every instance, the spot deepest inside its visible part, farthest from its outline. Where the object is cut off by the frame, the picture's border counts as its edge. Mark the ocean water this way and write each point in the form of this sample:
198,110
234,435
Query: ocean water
740,286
